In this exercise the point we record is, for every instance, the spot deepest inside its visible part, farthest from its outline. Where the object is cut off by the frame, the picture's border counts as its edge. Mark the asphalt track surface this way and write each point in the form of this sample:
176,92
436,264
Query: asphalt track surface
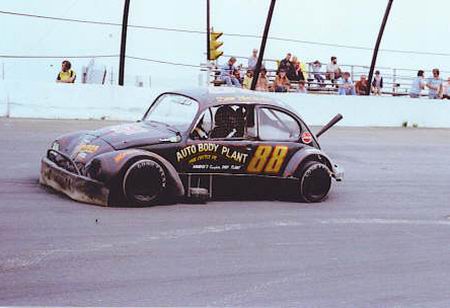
381,238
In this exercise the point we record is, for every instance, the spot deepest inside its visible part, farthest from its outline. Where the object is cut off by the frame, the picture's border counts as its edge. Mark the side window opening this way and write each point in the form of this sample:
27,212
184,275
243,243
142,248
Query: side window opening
226,122
278,126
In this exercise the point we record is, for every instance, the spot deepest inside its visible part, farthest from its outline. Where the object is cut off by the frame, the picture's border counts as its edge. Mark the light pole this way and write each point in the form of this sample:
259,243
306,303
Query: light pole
123,42
208,29
377,46
263,45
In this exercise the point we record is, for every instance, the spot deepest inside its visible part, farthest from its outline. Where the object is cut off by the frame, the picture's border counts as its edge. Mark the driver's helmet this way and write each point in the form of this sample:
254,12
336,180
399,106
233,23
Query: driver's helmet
225,117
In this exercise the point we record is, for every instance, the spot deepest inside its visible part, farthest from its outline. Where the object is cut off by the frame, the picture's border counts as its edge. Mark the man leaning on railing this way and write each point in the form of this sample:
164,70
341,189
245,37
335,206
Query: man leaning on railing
227,71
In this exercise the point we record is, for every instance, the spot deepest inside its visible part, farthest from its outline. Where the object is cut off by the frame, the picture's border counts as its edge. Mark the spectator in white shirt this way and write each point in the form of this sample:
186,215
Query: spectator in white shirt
251,63
435,85
417,85
333,70
346,86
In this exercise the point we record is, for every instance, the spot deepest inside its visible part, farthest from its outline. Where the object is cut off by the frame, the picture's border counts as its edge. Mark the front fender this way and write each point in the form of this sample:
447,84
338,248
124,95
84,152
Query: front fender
306,154
106,167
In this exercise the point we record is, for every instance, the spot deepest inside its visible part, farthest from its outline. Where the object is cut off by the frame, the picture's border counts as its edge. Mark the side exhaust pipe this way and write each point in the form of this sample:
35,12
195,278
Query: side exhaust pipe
330,124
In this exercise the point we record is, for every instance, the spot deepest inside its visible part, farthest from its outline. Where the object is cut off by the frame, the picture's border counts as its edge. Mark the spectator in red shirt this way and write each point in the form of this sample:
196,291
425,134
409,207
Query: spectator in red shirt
362,85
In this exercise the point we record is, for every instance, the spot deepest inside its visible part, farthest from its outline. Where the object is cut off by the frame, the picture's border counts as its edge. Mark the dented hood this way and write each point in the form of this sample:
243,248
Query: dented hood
134,134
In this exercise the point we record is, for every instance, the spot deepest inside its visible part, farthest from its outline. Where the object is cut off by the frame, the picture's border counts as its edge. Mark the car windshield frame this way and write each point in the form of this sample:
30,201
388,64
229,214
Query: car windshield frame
172,121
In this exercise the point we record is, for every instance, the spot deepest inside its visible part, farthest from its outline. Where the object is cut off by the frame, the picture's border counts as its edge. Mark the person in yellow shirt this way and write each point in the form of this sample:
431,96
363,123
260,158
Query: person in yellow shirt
66,75
248,78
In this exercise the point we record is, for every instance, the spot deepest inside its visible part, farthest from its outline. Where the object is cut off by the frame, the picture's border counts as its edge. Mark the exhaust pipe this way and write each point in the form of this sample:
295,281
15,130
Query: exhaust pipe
330,124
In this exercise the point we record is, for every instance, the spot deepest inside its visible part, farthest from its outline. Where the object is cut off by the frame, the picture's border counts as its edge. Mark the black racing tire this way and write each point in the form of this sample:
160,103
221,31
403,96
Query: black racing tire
144,182
314,181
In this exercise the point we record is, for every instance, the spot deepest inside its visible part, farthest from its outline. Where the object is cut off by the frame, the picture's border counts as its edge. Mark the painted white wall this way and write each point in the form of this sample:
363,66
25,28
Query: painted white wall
81,101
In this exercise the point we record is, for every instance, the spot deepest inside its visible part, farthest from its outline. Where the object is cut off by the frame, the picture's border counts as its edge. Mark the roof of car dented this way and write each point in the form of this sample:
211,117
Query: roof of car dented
212,96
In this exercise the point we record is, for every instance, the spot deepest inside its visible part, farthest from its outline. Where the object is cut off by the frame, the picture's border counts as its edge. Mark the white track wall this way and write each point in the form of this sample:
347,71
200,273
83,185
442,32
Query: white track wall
80,101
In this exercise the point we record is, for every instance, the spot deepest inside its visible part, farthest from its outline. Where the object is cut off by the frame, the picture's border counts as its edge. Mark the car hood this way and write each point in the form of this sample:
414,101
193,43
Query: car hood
83,146
136,134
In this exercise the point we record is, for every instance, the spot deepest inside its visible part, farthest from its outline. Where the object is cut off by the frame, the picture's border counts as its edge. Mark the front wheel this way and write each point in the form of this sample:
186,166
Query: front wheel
144,182
314,181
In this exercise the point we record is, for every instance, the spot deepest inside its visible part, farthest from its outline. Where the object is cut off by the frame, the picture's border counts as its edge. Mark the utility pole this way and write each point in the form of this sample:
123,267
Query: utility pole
208,29
123,43
263,45
377,46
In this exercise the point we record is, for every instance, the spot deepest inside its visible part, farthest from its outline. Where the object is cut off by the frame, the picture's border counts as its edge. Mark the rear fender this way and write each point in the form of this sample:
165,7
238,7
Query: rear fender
107,167
303,156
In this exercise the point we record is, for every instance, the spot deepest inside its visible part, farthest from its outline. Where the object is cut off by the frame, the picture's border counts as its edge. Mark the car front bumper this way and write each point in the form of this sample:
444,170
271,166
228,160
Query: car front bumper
76,187
338,173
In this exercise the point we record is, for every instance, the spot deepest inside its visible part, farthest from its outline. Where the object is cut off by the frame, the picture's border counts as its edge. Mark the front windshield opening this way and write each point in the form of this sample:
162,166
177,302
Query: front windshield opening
174,110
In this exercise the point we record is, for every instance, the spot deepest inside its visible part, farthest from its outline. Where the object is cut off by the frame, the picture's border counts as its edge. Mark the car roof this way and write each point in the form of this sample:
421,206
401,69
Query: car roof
209,96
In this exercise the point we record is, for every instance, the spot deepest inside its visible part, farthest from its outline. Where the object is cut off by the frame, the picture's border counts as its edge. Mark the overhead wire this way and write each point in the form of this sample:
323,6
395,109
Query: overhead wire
226,34
55,56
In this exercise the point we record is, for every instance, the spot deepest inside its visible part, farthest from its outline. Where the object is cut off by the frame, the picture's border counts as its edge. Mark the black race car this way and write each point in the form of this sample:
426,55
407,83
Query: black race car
201,143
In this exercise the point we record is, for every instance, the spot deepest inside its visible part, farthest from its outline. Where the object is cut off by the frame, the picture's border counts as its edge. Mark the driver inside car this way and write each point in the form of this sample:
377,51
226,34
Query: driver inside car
199,133
225,123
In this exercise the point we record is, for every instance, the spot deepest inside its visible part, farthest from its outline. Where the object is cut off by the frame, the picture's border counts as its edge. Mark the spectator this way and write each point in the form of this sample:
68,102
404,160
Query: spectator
227,73
418,85
362,85
248,78
237,73
346,86
446,94
301,87
316,67
377,83
263,83
286,63
251,62
295,73
333,70
281,83
66,75
435,85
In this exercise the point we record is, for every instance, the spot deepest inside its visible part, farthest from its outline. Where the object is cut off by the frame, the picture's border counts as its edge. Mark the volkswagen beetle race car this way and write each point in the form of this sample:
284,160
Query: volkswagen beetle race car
200,143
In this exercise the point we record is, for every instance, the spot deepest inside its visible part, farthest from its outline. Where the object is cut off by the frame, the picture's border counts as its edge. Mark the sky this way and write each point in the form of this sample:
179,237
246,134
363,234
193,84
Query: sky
414,25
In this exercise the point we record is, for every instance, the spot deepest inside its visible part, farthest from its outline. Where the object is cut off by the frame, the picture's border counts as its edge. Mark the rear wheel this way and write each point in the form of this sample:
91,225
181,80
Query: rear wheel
315,181
144,182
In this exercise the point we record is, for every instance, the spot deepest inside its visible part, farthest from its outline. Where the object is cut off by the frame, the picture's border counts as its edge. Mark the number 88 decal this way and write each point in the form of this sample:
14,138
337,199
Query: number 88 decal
266,160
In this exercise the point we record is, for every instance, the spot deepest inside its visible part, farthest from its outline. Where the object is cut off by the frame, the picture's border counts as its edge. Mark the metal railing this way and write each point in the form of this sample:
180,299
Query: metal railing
396,81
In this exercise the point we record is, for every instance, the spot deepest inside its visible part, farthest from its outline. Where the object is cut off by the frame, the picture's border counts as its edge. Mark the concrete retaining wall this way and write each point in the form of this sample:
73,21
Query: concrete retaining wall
80,101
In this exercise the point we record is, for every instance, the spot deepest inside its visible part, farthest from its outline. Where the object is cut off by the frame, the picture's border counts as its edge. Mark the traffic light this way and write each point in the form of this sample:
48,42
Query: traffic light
214,45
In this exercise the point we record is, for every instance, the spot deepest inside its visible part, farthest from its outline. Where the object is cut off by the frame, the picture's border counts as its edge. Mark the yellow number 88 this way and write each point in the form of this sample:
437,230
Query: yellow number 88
261,159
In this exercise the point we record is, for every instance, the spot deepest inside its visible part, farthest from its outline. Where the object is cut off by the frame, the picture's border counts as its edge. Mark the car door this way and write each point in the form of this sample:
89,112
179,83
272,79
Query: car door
278,135
221,142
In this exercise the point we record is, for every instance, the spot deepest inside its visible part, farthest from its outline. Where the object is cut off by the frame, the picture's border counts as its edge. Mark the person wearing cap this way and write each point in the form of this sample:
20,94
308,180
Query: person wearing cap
66,75
281,83
227,73
251,62
377,83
